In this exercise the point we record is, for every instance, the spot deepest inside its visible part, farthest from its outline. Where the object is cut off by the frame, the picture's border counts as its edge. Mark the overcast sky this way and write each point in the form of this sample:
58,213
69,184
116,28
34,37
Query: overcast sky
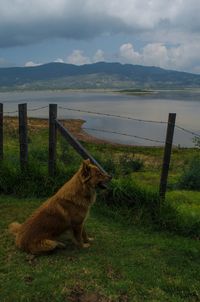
164,33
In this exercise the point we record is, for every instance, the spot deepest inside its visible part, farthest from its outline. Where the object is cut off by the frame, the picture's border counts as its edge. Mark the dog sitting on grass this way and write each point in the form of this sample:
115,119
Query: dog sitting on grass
66,210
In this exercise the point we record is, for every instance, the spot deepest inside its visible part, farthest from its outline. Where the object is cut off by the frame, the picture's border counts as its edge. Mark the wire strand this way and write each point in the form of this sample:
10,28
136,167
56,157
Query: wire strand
37,108
112,115
9,112
186,130
124,134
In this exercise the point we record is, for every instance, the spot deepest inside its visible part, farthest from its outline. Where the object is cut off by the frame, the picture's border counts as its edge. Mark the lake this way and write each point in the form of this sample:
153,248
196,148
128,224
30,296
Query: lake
154,107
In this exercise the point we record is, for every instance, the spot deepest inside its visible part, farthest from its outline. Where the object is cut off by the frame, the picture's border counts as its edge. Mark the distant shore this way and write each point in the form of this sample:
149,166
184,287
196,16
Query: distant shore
126,91
73,125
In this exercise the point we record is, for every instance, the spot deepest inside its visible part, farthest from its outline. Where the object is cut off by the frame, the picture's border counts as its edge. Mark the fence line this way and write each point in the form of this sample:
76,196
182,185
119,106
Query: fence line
52,138
37,108
23,136
10,112
28,110
167,155
76,145
128,118
112,115
124,134
55,125
108,131
188,131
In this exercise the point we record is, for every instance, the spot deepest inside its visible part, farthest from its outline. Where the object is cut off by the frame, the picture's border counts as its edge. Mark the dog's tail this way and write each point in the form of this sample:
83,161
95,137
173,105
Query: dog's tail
14,228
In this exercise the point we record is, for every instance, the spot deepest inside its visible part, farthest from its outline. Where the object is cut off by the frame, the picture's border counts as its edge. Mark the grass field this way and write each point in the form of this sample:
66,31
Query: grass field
137,254
125,263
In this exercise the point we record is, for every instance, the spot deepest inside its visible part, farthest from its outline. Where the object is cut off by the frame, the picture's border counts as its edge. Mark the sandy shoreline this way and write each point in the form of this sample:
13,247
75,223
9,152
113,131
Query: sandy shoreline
73,125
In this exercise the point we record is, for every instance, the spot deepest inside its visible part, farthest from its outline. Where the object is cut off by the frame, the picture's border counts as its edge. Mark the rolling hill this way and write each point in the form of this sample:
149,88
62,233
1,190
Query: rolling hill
97,75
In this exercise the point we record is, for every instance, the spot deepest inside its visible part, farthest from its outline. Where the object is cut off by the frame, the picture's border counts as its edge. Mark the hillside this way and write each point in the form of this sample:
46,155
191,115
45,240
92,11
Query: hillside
98,75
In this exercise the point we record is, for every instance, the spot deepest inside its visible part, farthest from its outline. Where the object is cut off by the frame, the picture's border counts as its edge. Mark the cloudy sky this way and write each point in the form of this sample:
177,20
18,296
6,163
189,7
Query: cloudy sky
164,33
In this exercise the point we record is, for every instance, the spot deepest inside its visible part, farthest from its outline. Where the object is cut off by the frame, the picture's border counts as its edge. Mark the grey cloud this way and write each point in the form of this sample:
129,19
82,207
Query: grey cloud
71,28
26,22
78,25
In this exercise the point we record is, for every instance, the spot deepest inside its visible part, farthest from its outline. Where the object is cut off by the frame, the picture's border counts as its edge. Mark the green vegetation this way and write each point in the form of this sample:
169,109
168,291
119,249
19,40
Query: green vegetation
125,262
137,91
137,254
190,179
135,170
98,75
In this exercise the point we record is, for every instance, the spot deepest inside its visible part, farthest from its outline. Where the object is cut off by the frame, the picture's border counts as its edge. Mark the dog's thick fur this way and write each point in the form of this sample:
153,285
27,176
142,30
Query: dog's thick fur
66,210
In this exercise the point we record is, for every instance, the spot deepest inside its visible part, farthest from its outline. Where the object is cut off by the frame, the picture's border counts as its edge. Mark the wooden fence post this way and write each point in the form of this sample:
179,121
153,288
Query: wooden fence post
23,136
167,155
1,131
77,146
52,138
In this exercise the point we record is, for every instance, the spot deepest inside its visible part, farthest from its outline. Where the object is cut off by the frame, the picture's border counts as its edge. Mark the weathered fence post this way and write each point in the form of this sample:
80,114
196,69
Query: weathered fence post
23,136
167,155
1,131
76,145
52,138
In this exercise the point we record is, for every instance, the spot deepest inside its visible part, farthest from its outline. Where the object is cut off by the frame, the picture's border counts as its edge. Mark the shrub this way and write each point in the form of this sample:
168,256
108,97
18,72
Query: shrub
190,179
124,192
34,181
129,165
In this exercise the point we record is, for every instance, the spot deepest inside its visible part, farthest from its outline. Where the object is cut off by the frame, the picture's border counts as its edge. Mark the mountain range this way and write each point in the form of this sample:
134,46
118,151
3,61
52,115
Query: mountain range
97,75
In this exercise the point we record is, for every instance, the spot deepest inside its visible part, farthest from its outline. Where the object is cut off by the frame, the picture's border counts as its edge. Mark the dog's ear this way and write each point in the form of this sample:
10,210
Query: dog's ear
85,170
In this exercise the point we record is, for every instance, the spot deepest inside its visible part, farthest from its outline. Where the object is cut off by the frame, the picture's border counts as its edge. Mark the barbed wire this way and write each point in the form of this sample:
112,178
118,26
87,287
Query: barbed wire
10,112
188,131
128,118
124,134
112,115
37,108
28,110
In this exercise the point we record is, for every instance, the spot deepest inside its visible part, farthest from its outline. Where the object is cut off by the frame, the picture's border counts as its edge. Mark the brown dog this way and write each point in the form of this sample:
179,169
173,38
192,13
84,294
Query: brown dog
66,210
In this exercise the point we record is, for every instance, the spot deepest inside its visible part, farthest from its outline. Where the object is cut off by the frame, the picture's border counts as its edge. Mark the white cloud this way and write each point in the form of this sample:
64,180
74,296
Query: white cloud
178,57
59,60
77,57
155,54
32,64
99,56
129,55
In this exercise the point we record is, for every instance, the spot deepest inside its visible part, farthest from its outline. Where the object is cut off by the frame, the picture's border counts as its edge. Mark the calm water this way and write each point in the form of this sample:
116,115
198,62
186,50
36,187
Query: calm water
150,107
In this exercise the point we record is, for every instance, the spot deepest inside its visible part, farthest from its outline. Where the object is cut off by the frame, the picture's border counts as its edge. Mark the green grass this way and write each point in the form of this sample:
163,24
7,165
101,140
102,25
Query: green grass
136,172
184,212
125,262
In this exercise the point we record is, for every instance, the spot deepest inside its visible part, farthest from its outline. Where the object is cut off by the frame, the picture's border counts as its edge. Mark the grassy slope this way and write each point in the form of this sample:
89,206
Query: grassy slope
125,263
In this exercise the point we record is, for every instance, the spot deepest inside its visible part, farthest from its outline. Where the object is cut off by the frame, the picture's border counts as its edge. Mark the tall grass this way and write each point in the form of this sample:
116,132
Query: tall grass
190,178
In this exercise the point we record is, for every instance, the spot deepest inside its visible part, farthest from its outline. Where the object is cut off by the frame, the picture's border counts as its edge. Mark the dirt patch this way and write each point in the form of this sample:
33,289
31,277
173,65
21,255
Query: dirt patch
36,124
113,274
73,125
79,295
